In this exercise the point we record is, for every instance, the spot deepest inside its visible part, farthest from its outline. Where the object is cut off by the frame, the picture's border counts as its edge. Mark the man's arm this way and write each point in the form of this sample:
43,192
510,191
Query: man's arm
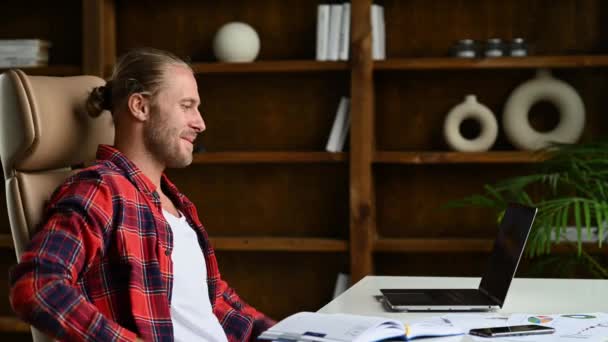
43,291
231,309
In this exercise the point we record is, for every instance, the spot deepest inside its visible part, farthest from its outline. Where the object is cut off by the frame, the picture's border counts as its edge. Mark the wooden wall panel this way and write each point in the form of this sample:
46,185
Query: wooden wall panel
305,200
58,22
474,265
286,28
410,200
270,112
281,284
422,28
412,106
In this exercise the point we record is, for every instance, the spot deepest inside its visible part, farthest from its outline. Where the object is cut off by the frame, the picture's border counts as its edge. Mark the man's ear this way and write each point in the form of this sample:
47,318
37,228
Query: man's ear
139,106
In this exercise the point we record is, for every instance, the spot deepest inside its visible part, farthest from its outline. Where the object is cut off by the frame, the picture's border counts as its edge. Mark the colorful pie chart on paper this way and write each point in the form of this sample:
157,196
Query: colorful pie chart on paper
539,319
579,316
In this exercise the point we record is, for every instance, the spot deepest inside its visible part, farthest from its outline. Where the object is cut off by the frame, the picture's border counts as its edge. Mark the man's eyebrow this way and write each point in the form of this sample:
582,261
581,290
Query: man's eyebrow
189,100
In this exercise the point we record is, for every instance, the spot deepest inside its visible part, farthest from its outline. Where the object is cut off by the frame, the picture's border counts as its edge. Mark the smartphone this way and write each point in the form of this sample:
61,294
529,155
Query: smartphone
512,330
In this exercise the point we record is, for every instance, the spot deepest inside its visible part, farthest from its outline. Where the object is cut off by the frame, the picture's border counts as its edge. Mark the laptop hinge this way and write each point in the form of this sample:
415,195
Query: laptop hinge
494,299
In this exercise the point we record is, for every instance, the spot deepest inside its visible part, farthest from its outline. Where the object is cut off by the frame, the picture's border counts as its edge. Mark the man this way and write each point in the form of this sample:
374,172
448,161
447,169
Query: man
121,254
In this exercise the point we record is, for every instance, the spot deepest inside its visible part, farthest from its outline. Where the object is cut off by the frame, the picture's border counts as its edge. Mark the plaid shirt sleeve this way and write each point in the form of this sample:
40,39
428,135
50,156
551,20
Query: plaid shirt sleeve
233,311
43,285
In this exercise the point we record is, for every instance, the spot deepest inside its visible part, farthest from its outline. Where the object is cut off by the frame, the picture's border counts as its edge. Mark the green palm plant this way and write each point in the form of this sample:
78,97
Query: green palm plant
570,186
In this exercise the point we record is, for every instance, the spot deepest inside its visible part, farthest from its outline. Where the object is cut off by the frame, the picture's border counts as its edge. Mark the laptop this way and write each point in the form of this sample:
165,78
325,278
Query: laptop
508,249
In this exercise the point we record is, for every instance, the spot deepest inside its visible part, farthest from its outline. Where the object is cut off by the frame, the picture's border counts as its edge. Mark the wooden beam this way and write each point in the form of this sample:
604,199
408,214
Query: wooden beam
267,157
269,67
429,157
98,35
6,241
362,204
272,244
441,63
13,324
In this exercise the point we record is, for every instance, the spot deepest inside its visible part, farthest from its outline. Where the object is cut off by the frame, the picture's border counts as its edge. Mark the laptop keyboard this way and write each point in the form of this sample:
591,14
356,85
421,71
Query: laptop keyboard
462,296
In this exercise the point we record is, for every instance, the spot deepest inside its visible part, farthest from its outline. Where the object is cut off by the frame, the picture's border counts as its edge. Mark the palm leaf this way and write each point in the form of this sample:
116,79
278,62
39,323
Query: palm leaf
600,222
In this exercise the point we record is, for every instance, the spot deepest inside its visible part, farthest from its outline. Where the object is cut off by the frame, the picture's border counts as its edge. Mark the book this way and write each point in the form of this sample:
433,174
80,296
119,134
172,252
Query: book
342,284
378,32
339,129
333,42
322,327
322,31
345,33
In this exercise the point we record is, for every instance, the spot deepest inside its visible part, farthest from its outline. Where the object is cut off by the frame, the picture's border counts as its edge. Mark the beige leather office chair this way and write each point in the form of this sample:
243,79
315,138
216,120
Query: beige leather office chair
44,132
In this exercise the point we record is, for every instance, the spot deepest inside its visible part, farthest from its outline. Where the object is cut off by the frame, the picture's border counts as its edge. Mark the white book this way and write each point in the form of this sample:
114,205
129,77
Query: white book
345,32
382,35
322,31
342,284
25,43
335,18
333,143
322,327
377,20
345,128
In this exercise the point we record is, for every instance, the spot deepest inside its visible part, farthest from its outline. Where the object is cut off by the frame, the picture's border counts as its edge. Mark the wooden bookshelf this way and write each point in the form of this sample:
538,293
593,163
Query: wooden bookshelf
13,325
449,63
52,70
269,244
494,157
6,241
279,66
445,245
268,157
271,199
465,245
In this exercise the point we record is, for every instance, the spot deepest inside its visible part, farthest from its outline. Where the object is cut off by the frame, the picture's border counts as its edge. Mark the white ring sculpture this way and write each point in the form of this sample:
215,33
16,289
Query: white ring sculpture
470,109
543,88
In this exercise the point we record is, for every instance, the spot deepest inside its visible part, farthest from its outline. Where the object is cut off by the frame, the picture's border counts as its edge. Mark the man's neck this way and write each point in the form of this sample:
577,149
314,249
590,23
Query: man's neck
144,161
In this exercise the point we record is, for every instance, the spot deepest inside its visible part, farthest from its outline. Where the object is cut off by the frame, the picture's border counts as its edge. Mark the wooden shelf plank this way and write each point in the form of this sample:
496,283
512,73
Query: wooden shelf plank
463,245
269,67
494,157
421,245
580,61
51,70
6,241
267,157
273,244
13,324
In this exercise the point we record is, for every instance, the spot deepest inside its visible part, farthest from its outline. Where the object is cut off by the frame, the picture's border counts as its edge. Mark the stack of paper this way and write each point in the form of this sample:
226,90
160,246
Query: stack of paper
23,53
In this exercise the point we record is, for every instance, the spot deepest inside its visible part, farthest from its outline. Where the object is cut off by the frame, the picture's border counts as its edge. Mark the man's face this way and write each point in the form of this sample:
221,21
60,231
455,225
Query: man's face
174,118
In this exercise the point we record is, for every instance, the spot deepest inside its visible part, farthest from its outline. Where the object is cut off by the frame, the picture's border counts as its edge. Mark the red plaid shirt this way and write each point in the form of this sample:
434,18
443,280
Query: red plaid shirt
100,268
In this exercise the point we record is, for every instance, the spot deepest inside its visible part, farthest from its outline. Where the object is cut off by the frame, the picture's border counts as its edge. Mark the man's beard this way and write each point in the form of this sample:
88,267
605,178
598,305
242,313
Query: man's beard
163,142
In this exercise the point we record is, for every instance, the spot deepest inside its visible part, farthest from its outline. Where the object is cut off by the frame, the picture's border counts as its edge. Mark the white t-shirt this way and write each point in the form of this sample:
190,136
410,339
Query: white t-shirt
191,313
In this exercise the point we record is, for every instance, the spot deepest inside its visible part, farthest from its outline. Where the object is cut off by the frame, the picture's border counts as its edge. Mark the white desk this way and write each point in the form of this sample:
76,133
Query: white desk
541,296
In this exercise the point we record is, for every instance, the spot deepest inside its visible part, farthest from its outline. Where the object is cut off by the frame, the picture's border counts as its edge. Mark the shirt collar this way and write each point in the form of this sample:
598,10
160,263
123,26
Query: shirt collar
136,176
130,170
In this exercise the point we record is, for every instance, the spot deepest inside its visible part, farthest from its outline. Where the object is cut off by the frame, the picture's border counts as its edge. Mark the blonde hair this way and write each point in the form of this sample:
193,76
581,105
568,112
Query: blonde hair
139,70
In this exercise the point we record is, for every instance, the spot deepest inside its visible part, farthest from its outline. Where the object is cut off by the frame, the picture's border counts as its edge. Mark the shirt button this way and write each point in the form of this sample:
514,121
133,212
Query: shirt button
167,252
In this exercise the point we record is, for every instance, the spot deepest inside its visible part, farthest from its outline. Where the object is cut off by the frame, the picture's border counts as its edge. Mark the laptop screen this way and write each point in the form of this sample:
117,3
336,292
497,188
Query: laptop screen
508,248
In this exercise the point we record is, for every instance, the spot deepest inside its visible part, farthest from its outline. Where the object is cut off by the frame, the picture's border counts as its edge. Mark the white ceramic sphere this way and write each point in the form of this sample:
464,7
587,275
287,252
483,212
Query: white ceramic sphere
236,42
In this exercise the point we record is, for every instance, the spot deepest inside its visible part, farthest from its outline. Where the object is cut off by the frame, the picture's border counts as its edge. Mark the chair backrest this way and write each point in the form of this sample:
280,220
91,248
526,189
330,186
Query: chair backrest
44,132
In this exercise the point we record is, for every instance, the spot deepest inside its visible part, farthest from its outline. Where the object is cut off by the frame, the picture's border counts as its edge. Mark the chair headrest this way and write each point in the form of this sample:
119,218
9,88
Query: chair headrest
44,124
